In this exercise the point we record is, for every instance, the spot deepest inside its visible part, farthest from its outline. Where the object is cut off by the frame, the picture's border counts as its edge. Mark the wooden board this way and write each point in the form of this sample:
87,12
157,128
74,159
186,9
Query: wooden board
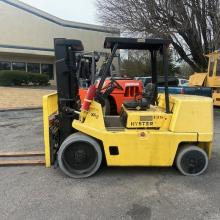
22,154
21,162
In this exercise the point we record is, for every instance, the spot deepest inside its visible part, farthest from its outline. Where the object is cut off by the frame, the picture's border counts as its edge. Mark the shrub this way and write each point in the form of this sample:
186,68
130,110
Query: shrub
38,79
18,78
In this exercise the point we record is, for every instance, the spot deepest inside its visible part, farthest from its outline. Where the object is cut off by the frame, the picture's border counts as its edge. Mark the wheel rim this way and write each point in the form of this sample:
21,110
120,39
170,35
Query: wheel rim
79,157
193,162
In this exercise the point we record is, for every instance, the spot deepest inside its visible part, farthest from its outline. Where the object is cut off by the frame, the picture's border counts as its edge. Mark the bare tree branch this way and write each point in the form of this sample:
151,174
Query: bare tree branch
195,22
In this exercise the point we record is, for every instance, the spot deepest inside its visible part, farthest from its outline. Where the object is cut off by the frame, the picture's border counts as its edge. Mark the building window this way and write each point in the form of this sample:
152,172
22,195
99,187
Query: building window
19,66
5,65
47,69
33,67
218,68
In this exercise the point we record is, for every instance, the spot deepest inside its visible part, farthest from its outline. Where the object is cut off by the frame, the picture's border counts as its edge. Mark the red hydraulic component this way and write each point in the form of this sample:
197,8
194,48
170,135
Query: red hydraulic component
89,97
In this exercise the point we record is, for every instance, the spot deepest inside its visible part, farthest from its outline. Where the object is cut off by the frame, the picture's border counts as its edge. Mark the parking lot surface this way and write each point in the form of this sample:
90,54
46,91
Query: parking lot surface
113,193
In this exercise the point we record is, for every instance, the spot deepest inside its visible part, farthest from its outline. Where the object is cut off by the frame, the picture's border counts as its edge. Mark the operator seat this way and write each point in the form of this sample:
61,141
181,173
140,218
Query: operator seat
149,96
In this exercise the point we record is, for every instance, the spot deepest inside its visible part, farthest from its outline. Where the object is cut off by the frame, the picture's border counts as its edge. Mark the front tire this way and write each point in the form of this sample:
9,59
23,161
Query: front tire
79,156
191,160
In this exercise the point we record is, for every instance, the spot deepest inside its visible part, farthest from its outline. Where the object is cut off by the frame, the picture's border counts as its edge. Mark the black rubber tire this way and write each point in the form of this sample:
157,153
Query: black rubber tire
85,144
191,160
107,108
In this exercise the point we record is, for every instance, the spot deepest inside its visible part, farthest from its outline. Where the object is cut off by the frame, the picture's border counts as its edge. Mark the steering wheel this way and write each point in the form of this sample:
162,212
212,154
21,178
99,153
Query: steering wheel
116,84
113,84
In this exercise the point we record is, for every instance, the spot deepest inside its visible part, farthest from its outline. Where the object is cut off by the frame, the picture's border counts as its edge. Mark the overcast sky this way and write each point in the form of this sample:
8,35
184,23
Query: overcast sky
73,10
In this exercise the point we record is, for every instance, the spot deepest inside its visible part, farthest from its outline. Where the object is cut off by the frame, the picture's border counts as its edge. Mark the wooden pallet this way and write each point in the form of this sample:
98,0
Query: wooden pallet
23,162
22,154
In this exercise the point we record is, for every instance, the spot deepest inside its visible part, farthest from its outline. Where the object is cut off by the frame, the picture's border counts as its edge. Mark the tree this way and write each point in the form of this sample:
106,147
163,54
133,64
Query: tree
139,64
185,71
191,25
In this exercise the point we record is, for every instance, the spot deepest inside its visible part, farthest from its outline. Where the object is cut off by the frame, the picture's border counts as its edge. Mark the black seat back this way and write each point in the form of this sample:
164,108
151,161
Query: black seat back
150,93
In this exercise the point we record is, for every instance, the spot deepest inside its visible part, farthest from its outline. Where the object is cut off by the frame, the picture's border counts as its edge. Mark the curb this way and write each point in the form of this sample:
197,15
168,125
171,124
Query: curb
20,109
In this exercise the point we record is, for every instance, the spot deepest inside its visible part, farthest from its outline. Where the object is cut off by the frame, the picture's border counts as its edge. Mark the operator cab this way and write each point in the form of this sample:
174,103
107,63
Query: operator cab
144,111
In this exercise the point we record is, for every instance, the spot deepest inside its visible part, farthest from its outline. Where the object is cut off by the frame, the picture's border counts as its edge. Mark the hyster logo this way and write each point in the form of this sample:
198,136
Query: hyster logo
141,124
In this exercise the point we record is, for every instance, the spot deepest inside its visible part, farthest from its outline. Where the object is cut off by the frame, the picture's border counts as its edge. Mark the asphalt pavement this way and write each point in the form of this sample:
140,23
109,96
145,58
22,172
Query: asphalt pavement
113,193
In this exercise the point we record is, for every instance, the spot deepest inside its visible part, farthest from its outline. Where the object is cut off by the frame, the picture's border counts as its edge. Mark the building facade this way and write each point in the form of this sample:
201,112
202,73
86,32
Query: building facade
27,36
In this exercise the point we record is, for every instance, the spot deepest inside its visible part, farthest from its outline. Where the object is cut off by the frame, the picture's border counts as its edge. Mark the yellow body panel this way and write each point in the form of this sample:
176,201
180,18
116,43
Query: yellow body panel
202,79
211,80
192,114
138,147
190,121
154,118
197,79
49,108
94,117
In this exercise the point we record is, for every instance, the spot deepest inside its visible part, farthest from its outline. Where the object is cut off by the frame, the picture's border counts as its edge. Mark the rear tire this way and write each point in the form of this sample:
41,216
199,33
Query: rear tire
79,156
191,160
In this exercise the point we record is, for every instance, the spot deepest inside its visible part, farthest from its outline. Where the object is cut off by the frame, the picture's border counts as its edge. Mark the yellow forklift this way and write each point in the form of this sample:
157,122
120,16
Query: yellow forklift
151,130
211,79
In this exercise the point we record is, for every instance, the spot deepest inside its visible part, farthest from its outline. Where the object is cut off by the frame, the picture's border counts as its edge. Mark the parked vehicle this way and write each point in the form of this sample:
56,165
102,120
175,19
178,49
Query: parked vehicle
210,79
186,84
123,88
144,80
182,82
172,81
200,91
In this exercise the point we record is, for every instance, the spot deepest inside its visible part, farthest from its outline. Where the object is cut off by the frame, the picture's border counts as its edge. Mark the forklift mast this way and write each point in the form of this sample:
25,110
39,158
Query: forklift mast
87,66
67,83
